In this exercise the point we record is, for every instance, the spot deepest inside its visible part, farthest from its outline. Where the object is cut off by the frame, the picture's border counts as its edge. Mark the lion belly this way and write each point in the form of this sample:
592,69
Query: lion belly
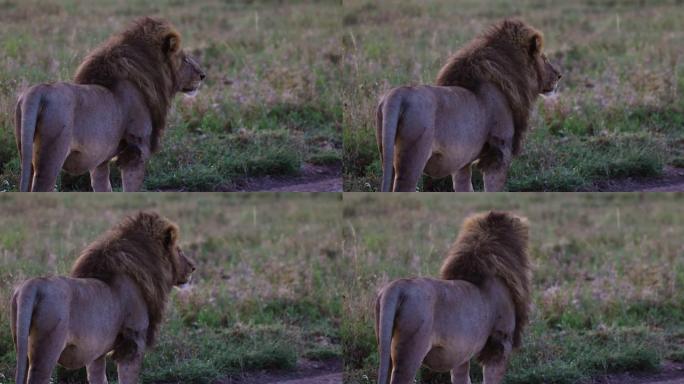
441,359
460,131
96,128
74,357
94,322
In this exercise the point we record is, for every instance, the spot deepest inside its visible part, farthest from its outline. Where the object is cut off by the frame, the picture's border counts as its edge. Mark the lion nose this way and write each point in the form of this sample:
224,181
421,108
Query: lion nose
559,76
202,75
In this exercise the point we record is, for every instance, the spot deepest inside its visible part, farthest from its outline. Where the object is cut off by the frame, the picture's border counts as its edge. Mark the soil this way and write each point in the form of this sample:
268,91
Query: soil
312,178
671,181
307,372
672,373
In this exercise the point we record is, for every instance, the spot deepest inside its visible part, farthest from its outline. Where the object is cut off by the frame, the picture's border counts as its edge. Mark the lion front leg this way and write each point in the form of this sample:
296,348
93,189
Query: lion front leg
495,174
128,371
461,374
495,181
132,162
462,179
97,371
99,178
129,350
494,372
495,364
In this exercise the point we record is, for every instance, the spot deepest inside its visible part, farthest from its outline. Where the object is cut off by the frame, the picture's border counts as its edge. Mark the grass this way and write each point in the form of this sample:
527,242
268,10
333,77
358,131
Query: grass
270,104
619,112
264,297
608,271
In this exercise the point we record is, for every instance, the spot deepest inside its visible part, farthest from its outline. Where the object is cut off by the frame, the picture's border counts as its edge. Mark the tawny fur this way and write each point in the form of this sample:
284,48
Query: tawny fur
477,112
499,56
477,309
494,245
136,247
116,108
111,305
137,54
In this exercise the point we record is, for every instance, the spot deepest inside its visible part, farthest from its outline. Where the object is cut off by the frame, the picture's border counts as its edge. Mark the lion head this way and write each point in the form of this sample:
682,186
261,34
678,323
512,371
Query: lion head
510,56
185,268
144,248
549,76
147,54
190,76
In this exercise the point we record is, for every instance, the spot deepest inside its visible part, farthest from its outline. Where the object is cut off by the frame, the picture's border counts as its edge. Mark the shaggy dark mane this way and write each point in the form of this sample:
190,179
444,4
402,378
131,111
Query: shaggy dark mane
145,54
500,56
142,248
494,245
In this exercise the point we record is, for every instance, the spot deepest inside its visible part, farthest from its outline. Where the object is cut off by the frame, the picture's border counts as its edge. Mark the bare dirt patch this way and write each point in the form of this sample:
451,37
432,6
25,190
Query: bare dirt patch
313,178
672,373
307,372
671,181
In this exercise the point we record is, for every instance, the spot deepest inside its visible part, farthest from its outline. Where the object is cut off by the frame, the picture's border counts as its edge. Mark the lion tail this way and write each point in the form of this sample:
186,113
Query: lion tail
494,245
385,311
23,302
388,113
27,117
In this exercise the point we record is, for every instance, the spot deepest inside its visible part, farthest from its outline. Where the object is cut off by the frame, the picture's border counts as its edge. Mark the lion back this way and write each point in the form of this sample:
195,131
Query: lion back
494,244
144,55
137,248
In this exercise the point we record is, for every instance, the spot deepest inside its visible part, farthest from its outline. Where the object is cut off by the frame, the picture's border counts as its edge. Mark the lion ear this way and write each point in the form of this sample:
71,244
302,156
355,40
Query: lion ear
536,44
170,235
172,43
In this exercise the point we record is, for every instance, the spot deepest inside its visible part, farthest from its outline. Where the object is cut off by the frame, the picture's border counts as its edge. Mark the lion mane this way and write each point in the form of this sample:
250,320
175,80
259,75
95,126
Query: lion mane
144,54
494,245
500,56
141,247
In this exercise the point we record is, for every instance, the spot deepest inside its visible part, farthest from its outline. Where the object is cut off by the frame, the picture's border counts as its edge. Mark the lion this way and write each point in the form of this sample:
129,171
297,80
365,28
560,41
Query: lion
113,301
477,112
115,108
478,308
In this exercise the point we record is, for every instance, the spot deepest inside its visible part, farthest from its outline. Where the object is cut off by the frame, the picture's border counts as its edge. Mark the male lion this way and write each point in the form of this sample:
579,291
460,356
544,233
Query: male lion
116,107
479,110
478,309
112,302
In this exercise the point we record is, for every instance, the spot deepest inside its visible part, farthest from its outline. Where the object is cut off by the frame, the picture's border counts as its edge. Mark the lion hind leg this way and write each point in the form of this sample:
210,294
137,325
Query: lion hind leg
409,163
408,354
49,159
44,356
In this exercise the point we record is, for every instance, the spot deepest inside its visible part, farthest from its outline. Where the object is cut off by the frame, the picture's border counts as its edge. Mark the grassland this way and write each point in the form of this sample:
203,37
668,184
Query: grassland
619,113
607,281
270,104
265,295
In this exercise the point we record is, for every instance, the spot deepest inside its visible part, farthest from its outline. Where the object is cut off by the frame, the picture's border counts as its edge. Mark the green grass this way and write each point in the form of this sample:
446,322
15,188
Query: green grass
607,276
270,103
618,113
265,295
